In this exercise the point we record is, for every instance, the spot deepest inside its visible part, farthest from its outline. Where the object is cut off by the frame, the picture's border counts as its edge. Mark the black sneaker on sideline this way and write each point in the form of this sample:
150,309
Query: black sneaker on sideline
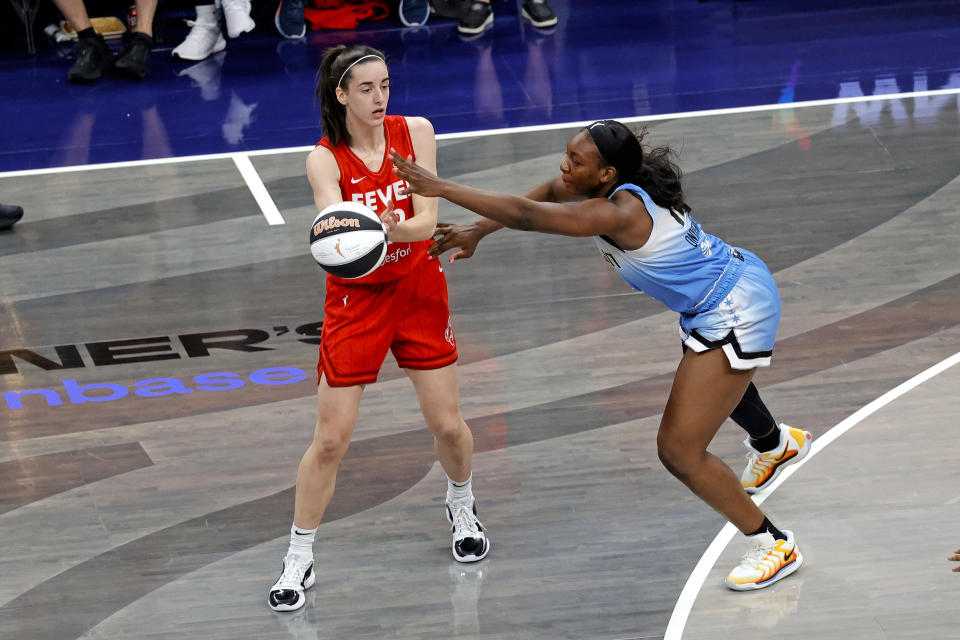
451,9
477,18
93,58
134,56
538,13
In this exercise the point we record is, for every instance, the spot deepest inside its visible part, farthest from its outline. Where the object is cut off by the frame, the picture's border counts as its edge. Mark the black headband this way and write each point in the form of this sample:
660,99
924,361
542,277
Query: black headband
618,147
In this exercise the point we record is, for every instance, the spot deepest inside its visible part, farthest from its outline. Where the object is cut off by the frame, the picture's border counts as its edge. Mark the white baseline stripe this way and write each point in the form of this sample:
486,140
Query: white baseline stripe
678,619
259,191
496,132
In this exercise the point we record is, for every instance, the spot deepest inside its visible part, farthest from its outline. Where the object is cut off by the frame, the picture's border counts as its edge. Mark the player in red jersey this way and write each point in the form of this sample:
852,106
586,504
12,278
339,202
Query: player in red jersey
401,306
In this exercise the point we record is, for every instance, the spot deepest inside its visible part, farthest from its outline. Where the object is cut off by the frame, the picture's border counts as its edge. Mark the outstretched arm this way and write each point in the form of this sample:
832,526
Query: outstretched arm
596,216
466,236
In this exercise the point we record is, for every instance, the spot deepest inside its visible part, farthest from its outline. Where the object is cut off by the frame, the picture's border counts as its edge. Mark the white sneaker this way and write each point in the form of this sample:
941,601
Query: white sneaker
767,561
286,594
236,13
762,468
203,41
470,543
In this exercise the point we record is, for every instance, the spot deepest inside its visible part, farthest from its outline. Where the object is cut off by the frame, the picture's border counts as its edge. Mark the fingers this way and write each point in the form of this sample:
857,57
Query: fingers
441,246
389,218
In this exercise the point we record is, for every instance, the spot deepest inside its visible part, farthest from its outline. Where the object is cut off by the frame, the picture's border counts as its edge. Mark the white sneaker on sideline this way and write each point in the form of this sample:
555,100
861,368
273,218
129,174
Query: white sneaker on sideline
236,13
203,41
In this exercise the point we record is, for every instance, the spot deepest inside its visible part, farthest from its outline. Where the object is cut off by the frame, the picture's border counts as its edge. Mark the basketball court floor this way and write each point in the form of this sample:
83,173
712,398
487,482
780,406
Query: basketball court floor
158,354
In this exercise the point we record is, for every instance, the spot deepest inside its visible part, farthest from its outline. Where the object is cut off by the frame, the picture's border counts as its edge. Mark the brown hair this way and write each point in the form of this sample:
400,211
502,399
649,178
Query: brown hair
336,71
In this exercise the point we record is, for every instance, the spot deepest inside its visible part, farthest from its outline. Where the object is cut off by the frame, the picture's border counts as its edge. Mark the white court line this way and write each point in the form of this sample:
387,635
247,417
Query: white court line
678,619
258,189
496,132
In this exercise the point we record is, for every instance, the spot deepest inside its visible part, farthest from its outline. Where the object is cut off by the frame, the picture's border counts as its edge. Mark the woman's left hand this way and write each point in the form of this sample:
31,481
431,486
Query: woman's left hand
390,219
419,180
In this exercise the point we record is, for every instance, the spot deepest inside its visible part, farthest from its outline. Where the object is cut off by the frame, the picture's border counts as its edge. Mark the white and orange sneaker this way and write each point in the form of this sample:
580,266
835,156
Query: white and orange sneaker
763,467
767,561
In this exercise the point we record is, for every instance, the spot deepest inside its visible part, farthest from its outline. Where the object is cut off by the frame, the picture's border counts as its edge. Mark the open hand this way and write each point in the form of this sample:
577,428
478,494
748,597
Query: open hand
956,558
390,219
419,180
450,236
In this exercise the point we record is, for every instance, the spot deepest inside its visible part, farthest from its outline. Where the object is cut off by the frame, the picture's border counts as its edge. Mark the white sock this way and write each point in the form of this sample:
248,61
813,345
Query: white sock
460,492
206,13
301,542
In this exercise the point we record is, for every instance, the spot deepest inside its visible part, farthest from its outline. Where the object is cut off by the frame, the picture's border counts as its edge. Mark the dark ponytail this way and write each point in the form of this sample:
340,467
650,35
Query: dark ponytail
659,176
336,61
653,170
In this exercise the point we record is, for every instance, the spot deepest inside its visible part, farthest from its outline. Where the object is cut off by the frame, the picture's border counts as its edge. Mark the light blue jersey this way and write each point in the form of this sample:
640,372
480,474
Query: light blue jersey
726,296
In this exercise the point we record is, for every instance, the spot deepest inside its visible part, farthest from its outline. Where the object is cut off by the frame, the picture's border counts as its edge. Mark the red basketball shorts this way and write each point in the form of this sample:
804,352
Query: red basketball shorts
409,316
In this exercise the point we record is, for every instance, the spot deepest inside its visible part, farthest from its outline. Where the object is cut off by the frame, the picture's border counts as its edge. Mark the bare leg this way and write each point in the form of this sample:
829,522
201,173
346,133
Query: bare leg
146,9
439,397
705,392
337,409
75,13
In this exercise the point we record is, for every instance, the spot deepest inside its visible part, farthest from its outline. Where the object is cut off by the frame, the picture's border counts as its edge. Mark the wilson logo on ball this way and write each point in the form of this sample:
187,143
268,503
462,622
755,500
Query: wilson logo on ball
330,223
348,240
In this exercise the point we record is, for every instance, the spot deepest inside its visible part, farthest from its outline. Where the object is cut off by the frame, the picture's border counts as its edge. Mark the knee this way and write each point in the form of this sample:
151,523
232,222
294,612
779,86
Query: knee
329,446
679,459
449,430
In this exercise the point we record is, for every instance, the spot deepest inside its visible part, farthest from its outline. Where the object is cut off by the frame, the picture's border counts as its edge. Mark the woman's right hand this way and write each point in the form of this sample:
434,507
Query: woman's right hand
449,236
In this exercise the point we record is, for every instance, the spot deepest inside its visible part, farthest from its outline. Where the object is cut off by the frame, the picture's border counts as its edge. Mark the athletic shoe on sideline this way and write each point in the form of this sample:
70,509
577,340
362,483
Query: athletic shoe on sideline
290,20
767,561
538,13
236,13
414,13
93,58
286,594
763,467
477,18
204,40
470,542
133,58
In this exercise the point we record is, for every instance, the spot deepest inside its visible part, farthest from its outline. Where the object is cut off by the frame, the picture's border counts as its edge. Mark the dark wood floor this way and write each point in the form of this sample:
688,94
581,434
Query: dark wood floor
142,496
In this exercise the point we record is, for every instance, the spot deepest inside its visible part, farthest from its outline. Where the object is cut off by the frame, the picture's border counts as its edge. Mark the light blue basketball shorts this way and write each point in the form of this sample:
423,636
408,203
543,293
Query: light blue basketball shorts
745,322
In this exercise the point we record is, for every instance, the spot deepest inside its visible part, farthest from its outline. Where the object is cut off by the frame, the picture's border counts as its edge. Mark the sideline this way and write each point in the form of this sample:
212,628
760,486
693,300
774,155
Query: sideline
272,213
493,132
681,611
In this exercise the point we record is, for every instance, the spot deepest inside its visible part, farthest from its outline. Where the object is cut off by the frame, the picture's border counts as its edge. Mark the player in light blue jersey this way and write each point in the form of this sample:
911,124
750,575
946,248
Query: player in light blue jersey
630,200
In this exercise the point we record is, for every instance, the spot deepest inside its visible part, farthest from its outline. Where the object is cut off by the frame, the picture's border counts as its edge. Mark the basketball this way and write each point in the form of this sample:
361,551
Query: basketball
348,240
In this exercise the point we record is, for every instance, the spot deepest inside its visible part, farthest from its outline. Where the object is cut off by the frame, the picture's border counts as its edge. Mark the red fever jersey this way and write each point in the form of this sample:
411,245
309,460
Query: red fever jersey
401,307
374,189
